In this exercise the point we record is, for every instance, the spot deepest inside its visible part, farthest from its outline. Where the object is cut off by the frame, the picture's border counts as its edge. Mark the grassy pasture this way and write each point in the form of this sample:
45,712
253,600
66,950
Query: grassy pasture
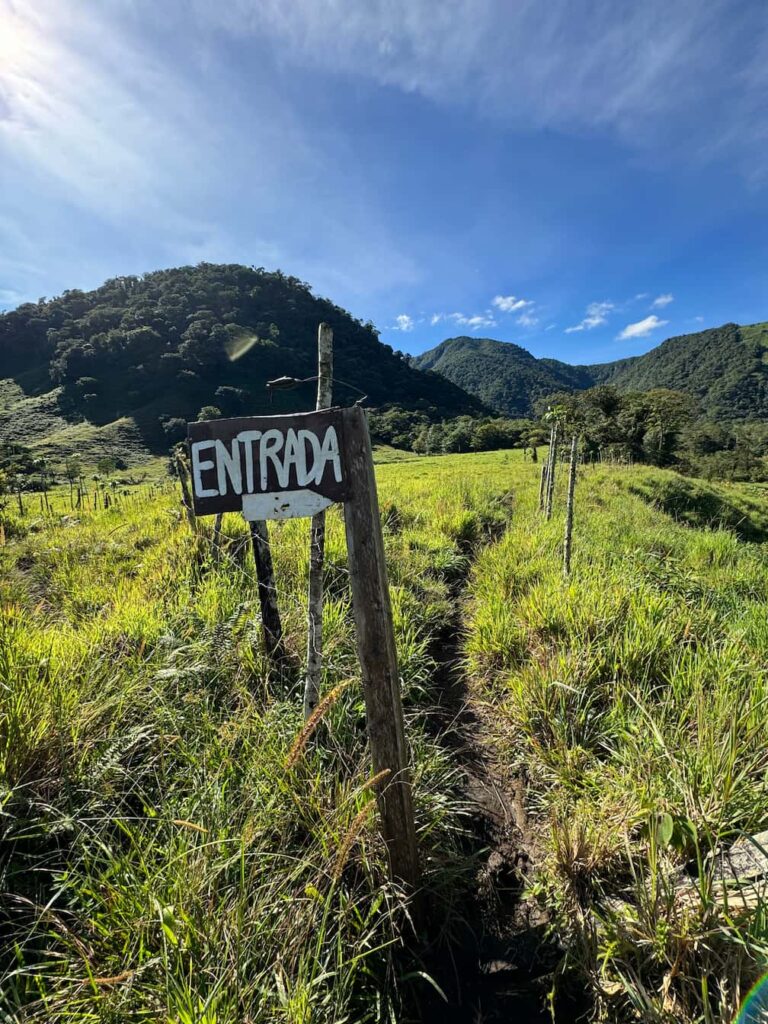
633,697
173,848
162,859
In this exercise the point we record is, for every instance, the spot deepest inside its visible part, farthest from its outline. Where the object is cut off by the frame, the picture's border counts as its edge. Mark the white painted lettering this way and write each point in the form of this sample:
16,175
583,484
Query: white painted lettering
329,453
228,465
199,467
271,443
305,472
295,456
248,439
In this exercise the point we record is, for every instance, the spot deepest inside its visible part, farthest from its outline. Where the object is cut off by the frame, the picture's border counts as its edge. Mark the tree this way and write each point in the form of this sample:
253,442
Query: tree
107,464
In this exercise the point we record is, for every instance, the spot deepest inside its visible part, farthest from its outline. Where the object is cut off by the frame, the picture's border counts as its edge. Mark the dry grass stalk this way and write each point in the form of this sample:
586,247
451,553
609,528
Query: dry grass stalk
353,832
312,722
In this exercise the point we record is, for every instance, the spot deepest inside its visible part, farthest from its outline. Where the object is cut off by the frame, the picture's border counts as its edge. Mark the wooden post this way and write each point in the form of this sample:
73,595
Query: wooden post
21,501
186,496
551,472
543,483
569,509
265,576
317,539
216,541
376,651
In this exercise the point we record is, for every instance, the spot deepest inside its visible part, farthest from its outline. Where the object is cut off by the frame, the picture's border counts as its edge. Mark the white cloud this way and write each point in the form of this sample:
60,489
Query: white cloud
404,322
474,322
509,303
663,300
597,315
527,320
642,328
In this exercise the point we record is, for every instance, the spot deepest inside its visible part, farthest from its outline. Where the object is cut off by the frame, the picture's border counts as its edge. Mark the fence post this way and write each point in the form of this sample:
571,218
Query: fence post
569,509
377,653
265,576
186,496
551,471
317,540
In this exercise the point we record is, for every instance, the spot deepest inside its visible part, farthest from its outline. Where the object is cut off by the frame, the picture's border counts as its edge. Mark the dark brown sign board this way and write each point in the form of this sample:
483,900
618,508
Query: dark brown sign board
277,467
268,467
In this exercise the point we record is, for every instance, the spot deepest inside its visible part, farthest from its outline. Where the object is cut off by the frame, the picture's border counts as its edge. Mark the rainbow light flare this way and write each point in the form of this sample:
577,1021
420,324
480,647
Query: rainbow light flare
754,1009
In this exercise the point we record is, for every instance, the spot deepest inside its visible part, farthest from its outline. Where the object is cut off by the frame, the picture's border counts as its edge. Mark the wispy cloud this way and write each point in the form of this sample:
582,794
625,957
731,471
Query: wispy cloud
597,315
663,300
99,114
642,72
642,328
509,303
527,319
404,323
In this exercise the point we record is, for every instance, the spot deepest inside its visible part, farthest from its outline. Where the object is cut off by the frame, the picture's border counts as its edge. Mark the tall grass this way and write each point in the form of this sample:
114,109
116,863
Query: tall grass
172,847
633,697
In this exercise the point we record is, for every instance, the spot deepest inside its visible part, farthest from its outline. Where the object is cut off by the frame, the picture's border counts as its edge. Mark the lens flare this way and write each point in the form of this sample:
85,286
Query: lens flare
237,347
755,1007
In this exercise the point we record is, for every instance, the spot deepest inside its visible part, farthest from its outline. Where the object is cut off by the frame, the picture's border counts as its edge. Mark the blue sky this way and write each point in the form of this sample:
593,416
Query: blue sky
582,178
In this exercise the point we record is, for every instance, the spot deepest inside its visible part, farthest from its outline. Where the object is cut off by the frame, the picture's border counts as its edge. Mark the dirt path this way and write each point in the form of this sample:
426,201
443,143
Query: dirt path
499,965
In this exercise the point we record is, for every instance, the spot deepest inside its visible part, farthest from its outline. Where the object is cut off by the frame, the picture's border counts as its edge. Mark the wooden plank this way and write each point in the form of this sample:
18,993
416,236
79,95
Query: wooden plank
376,651
265,455
317,541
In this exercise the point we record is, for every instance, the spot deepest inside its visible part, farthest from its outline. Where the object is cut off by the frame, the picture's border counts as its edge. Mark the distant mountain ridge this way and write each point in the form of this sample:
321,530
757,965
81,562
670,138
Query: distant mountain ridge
724,368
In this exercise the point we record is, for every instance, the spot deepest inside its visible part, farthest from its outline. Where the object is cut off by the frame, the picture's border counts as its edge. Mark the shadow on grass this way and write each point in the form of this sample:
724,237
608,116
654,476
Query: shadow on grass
698,504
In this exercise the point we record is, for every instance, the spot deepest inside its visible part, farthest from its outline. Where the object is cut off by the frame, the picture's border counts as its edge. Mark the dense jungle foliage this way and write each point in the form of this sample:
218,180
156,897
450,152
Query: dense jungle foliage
162,346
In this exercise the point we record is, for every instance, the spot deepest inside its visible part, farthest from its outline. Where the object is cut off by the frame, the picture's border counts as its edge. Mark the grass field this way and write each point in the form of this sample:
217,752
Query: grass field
175,850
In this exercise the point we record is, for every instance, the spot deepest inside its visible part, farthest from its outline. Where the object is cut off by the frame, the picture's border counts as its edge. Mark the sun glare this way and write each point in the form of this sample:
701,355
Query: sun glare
14,40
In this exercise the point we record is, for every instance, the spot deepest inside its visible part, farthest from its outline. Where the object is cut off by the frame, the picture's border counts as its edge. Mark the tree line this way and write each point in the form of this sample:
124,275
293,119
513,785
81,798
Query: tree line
659,427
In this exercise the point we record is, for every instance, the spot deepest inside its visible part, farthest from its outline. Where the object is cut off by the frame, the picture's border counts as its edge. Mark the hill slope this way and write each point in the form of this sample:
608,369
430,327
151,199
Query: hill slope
502,375
724,368
140,352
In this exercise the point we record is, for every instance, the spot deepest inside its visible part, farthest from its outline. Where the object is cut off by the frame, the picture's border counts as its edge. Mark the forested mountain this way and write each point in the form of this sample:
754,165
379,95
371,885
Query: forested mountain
152,351
725,369
504,376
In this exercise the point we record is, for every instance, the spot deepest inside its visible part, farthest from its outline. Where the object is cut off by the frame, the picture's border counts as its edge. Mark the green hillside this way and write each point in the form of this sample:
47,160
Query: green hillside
122,368
502,375
724,368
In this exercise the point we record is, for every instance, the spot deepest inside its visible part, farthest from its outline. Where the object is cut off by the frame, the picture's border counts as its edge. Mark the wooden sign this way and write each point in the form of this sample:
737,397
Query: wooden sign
278,467
268,467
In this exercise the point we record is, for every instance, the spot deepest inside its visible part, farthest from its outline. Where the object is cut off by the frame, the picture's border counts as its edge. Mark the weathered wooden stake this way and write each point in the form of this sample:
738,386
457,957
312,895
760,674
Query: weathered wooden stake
551,472
21,501
569,509
543,483
376,651
186,496
265,576
216,541
317,539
